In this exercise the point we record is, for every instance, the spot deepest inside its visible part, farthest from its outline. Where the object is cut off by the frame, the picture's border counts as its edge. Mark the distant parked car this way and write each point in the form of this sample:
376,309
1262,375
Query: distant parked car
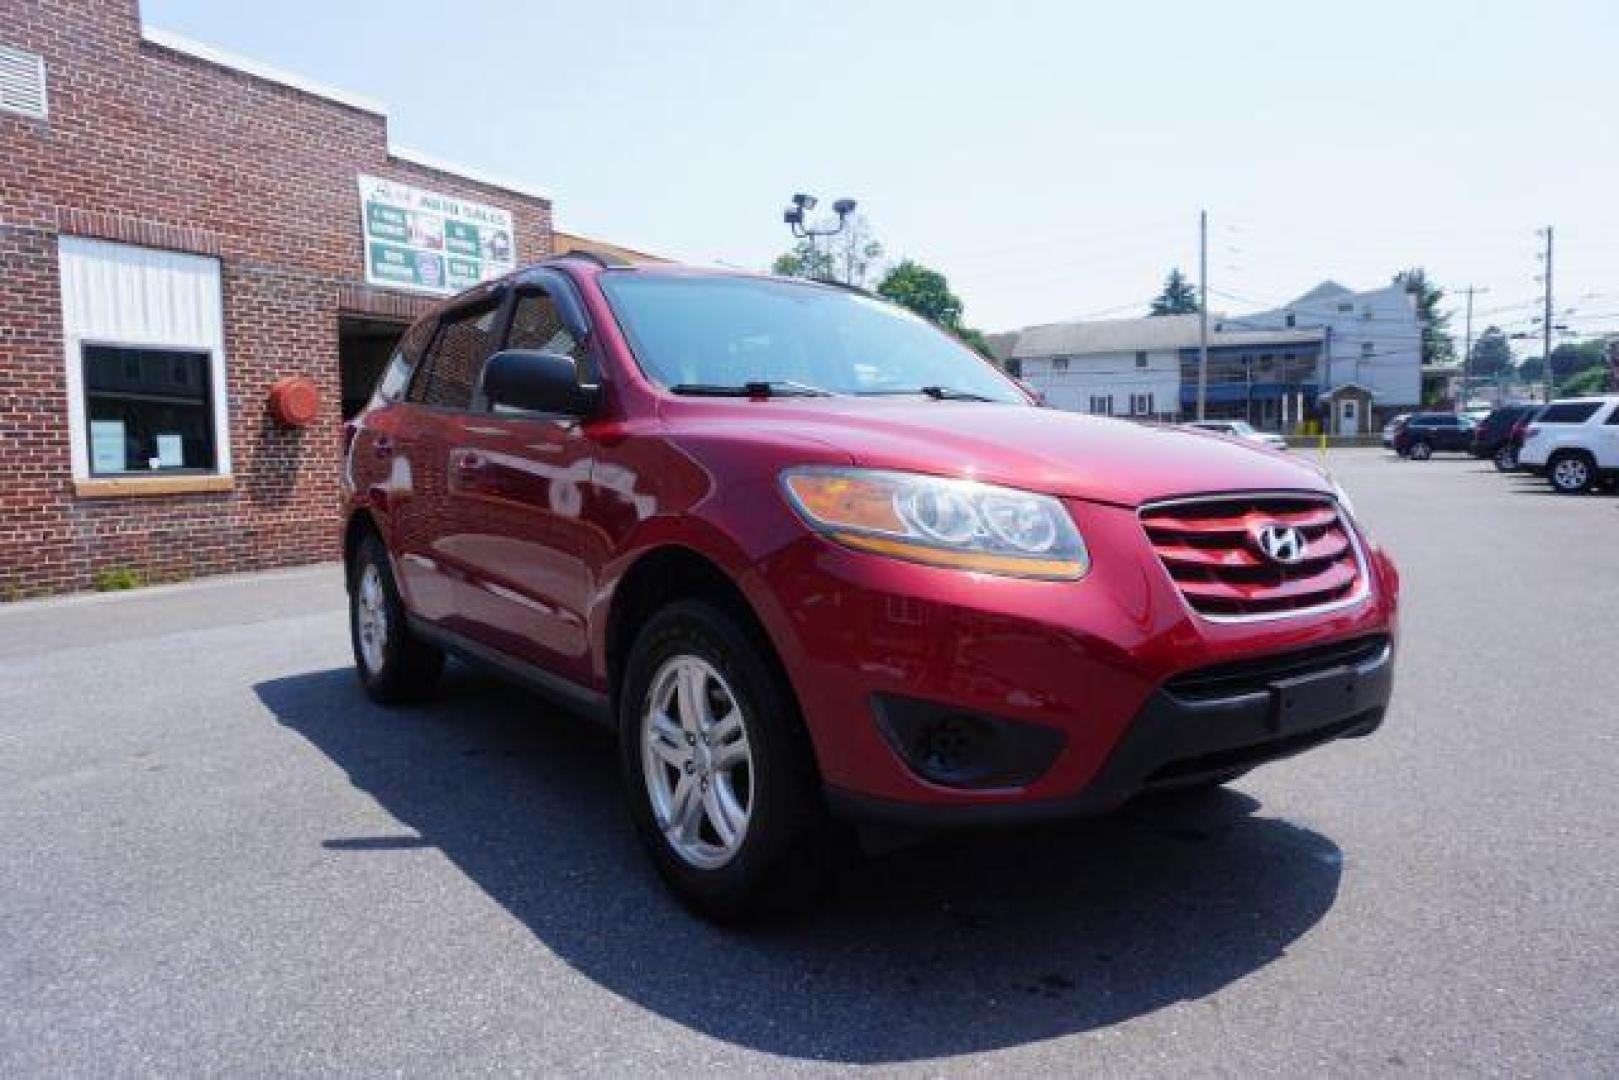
1506,458
1574,444
1391,428
1492,438
1241,429
1426,434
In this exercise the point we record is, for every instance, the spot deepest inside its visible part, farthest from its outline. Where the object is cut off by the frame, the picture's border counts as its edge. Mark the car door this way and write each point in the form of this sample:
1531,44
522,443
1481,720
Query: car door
521,487
431,548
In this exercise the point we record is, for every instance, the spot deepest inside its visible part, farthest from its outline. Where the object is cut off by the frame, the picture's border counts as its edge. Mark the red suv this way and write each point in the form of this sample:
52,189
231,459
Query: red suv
812,559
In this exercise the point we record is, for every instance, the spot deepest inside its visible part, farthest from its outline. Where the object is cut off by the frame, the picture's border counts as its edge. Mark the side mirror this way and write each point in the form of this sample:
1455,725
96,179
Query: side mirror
537,382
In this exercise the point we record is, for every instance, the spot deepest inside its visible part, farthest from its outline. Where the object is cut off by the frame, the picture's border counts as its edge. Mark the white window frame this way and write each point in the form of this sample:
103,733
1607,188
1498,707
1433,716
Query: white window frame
82,326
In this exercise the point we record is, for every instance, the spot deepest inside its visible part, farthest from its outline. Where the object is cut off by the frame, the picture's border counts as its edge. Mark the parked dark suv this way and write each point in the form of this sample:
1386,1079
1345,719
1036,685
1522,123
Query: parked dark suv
1426,434
1492,438
809,556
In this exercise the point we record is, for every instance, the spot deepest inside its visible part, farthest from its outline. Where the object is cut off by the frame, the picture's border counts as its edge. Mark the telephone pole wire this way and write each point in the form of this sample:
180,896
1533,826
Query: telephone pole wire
1203,313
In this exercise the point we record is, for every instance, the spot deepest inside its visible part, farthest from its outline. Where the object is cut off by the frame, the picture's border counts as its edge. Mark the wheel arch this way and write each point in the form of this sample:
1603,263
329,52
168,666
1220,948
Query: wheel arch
661,575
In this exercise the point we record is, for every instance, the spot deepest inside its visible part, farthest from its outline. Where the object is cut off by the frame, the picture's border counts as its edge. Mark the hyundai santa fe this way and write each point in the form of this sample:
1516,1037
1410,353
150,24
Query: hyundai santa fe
816,562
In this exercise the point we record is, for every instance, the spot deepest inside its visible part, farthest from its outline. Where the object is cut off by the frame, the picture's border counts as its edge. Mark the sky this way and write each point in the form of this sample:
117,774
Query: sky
1050,158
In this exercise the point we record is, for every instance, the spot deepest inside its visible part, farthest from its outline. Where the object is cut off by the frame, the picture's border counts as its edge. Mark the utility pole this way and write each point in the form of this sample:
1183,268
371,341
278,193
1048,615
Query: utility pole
1467,347
1203,313
1546,327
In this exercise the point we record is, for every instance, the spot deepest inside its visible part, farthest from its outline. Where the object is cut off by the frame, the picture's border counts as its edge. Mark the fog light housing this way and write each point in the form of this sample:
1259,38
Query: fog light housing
957,748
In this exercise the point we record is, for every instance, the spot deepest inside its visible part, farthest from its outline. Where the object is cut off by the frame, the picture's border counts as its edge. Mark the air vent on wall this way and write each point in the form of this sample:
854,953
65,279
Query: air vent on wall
22,82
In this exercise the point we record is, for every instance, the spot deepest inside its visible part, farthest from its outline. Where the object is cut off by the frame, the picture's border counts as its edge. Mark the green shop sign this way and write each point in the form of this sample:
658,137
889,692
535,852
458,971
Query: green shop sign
430,242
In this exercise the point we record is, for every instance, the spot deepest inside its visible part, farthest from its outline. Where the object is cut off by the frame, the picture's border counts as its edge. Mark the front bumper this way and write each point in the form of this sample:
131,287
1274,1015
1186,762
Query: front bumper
1176,741
1091,660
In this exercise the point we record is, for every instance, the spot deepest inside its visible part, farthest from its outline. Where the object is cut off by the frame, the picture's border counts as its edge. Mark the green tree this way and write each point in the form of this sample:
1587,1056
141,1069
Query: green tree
975,340
1178,297
1531,369
1437,345
1592,380
1569,360
1492,356
924,291
805,260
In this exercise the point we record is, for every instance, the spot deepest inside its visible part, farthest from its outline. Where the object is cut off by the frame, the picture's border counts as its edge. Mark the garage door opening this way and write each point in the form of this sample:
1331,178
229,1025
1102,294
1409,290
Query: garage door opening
363,348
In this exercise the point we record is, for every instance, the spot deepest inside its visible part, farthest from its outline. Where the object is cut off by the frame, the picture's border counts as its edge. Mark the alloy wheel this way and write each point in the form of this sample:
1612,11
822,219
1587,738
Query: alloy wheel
371,617
1571,474
696,761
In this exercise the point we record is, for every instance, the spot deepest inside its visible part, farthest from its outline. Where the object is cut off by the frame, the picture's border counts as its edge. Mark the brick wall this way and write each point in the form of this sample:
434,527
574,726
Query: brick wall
149,146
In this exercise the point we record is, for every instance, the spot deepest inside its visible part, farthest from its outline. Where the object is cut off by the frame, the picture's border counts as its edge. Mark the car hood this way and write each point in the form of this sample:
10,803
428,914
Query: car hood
1036,449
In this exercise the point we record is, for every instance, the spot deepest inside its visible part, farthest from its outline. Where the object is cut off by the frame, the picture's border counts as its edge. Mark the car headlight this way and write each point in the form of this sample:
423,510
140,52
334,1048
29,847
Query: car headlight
929,519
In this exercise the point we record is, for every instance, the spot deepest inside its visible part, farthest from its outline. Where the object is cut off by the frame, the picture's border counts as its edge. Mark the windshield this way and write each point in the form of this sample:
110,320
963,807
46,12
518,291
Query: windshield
730,331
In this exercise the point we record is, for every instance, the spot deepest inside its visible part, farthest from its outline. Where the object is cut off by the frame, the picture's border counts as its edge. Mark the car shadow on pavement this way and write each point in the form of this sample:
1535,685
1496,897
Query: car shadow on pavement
958,945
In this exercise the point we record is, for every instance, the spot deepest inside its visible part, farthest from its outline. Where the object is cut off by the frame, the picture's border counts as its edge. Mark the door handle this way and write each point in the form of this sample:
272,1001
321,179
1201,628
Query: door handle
383,447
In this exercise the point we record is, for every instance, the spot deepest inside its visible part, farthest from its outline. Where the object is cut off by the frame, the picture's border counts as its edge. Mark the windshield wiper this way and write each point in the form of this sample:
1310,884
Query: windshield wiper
937,393
751,388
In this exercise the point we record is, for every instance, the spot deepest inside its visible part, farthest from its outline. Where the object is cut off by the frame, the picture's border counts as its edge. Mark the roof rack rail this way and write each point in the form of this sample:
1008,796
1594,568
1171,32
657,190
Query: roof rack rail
599,258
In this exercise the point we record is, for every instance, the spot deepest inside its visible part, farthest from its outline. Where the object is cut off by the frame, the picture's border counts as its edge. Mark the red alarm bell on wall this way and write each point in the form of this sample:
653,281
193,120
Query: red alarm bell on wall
294,401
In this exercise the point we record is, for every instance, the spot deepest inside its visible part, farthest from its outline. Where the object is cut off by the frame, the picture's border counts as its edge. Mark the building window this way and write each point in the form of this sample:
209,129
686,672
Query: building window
1141,359
1060,364
159,421
1292,320
145,360
1346,308
1366,350
1141,405
1102,404
1014,368
22,82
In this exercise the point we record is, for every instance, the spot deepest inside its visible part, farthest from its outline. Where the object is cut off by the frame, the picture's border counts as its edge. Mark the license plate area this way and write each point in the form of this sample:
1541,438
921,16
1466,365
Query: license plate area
1311,701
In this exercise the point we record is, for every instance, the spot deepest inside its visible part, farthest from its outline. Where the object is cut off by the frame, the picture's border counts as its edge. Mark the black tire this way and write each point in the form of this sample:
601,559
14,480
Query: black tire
406,668
1420,451
1571,473
786,845
1506,459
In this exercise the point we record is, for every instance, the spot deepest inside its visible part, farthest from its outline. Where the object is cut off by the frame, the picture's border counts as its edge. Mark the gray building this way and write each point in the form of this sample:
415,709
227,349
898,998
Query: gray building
1371,339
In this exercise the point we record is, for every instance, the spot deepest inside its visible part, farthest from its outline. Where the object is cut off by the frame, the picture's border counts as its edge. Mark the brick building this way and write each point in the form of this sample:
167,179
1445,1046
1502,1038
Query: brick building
179,230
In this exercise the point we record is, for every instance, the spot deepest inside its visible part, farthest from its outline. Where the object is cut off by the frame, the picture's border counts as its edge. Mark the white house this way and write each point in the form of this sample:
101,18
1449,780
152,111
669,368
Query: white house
1118,367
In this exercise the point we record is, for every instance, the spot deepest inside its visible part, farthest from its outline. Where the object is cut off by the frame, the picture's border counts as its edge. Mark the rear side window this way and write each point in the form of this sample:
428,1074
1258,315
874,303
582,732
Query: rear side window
451,367
396,376
1613,417
1569,412
536,324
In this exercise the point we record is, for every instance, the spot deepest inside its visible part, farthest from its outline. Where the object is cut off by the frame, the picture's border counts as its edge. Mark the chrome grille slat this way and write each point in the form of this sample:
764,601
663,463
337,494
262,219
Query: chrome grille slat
1205,545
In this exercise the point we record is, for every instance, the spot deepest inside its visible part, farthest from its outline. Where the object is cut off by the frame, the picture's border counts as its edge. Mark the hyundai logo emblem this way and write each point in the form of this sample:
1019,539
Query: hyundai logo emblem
1281,543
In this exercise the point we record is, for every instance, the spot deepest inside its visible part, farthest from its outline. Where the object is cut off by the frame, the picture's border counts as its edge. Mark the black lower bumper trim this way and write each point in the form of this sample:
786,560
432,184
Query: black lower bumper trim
1174,741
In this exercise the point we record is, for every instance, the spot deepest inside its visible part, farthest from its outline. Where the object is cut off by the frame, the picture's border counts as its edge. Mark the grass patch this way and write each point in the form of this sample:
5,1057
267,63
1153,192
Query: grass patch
117,579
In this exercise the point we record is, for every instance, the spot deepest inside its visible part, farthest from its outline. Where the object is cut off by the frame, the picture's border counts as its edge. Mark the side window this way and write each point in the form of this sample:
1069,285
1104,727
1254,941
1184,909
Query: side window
1613,417
453,362
536,324
1568,412
396,376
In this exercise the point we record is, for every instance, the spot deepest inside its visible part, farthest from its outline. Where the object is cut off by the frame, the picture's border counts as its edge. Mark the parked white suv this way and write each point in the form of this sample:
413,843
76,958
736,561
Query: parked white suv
1574,443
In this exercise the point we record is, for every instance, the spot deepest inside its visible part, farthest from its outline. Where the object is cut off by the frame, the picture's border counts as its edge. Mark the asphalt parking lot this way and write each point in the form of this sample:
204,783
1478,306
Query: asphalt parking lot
217,857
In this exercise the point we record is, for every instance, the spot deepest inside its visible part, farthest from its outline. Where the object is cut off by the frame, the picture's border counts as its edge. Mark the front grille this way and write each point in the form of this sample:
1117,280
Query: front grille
1255,676
1211,548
